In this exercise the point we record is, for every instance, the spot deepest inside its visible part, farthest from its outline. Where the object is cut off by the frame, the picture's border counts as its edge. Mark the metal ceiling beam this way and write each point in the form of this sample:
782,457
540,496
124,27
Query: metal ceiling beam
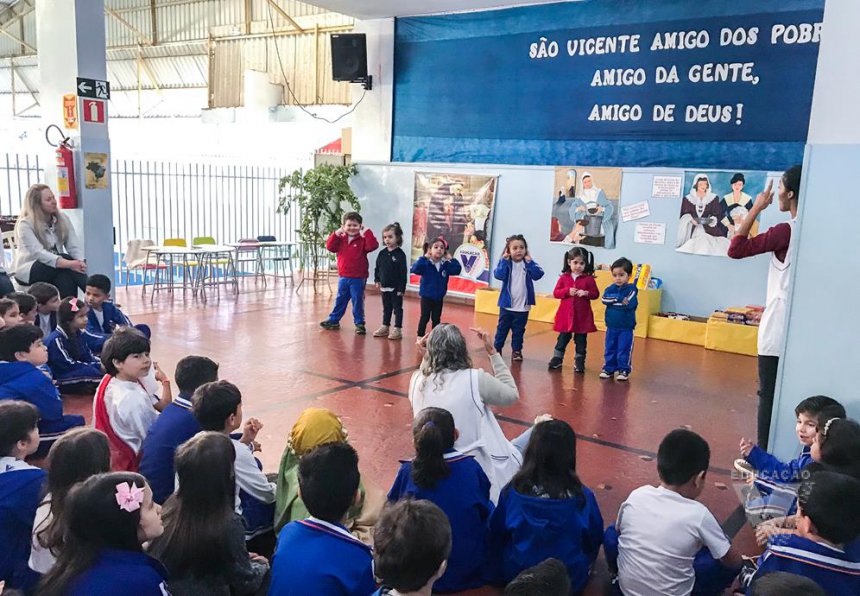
153,20
284,14
12,14
143,38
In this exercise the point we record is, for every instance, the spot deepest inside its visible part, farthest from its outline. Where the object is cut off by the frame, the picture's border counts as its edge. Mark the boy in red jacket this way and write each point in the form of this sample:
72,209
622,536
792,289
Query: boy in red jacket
350,243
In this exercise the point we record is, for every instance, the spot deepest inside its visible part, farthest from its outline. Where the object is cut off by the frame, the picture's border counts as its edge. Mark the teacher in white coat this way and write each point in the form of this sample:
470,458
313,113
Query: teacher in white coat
48,247
447,380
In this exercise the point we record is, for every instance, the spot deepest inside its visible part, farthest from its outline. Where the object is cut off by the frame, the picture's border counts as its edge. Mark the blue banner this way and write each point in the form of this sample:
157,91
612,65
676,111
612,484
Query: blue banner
711,84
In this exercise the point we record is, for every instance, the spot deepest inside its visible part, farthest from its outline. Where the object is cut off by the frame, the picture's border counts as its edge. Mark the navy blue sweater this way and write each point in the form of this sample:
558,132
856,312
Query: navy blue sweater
434,282
618,314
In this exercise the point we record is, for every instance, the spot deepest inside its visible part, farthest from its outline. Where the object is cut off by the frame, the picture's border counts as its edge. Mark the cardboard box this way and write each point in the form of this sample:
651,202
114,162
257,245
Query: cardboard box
731,337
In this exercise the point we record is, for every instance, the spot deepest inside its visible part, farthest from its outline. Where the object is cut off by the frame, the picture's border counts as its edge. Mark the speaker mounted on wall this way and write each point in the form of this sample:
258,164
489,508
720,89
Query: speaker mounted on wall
349,58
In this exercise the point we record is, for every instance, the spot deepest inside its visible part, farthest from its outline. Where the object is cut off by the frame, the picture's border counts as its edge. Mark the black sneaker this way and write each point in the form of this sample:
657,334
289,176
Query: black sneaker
579,364
360,329
555,363
516,356
330,325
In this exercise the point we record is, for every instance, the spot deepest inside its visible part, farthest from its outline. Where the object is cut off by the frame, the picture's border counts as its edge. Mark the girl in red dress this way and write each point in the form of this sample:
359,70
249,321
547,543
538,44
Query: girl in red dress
576,289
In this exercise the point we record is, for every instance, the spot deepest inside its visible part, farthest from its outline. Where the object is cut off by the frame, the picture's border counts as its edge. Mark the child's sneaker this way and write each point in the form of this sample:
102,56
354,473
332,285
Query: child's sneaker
360,329
516,356
604,374
579,365
744,468
395,333
555,363
330,325
623,375
381,332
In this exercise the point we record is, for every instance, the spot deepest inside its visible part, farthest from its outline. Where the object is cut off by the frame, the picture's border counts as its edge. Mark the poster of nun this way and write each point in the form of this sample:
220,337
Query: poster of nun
459,209
715,205
585,206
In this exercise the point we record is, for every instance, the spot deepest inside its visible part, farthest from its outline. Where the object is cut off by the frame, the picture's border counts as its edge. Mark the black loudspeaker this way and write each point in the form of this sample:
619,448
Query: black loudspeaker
349,57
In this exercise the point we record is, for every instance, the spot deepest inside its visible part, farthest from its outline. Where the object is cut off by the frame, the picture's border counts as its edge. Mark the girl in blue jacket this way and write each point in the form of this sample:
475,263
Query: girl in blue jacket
73,366
435,269
545,511
517,271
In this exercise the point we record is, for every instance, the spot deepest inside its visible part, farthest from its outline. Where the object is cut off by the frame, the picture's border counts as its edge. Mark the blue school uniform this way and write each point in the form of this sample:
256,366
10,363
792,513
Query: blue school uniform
20,493
174,426
321,558
464,496
121,571
775,484
66,368
620,321
828,566
434,282
23,381
525,530
98,333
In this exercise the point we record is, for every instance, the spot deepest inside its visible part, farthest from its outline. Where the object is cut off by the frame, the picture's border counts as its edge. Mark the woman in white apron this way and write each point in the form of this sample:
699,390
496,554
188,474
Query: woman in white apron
777,242
447,380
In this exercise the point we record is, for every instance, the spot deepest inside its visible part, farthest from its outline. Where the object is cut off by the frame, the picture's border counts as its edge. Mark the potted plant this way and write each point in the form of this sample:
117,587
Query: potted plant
322,195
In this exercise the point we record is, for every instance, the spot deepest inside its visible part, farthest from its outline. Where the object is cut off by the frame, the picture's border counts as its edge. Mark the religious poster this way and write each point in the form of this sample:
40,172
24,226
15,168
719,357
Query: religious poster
585,206
458,208
714,206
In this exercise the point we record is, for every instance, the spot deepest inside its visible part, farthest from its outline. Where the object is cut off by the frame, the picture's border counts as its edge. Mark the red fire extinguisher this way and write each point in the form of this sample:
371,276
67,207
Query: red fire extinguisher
66,187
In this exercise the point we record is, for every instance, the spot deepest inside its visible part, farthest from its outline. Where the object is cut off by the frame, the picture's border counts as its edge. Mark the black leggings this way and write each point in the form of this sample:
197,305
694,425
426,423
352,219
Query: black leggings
392,303
431,310
767,366
66,280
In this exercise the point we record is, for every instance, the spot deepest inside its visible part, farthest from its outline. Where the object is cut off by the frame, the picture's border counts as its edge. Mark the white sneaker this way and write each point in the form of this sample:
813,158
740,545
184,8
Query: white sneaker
605,375
381,332
622,376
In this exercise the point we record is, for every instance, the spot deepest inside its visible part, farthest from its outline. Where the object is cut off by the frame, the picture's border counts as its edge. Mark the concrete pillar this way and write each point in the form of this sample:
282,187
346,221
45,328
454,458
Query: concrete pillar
71,43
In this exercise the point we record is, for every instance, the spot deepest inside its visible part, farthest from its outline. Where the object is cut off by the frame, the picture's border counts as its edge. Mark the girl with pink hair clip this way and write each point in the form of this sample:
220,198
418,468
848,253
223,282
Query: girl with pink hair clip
72,364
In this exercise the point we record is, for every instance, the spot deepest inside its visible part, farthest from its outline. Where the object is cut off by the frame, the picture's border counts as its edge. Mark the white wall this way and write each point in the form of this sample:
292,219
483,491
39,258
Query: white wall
372,119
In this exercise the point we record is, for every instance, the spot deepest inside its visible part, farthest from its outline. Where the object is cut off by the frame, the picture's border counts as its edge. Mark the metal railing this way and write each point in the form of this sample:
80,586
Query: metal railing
156,200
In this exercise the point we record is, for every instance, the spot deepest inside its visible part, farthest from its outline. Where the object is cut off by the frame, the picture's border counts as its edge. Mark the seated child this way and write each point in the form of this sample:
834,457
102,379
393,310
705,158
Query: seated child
318,555
545,511
544,579
455,483
781,583
203,545
218,407
20,490
315,427
826,520
837,446
775,488
666,542
105,317
123,408
77,455
21,354
174,426
10,313
26,306
73,366
411,544
108,518
47,302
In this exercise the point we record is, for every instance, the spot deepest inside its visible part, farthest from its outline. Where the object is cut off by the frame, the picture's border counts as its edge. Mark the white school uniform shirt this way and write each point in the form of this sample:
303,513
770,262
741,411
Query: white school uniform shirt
249,477
771,329
659,534
45,324
100,317
518,287
41,558
131,410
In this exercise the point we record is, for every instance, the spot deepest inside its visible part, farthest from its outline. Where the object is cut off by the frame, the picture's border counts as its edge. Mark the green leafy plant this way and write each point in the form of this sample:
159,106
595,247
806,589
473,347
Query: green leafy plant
322,195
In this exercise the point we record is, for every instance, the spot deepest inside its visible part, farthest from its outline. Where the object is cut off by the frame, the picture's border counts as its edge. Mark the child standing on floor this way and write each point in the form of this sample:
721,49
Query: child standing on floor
350,243
73,366
621,302
390,276
435,269
123,408
517,271
576,289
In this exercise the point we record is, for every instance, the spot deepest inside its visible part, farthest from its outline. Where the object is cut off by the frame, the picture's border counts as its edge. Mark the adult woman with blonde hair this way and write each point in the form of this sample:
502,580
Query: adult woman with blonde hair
48,247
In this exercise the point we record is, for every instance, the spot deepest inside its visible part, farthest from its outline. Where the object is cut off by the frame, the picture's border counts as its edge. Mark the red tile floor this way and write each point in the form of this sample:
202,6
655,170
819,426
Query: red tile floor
268,342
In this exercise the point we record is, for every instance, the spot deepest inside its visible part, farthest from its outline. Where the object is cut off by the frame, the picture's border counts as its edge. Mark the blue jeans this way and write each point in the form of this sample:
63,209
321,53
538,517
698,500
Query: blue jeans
511,320
349,288
618,354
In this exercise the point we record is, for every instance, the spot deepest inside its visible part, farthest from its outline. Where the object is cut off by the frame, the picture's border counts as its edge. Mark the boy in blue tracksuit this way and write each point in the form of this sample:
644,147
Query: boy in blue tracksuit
21,352
20,491
104,316
517,271
621,302
435,269
318,555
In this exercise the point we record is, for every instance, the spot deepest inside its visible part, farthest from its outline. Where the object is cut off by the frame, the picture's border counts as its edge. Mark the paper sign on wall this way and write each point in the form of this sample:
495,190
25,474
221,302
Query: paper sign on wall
666,187
635,211
650,233
70,111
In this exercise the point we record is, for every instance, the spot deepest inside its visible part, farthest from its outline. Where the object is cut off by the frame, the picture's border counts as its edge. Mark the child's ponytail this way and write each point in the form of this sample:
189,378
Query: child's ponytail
582,253
433,435
67,312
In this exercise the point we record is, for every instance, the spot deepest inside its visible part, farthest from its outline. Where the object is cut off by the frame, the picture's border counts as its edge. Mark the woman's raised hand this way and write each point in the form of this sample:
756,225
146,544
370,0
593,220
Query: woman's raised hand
485,337
764,198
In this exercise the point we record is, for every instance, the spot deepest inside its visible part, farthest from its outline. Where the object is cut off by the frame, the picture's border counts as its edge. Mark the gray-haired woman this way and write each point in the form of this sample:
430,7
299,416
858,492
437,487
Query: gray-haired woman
447,380
48,247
